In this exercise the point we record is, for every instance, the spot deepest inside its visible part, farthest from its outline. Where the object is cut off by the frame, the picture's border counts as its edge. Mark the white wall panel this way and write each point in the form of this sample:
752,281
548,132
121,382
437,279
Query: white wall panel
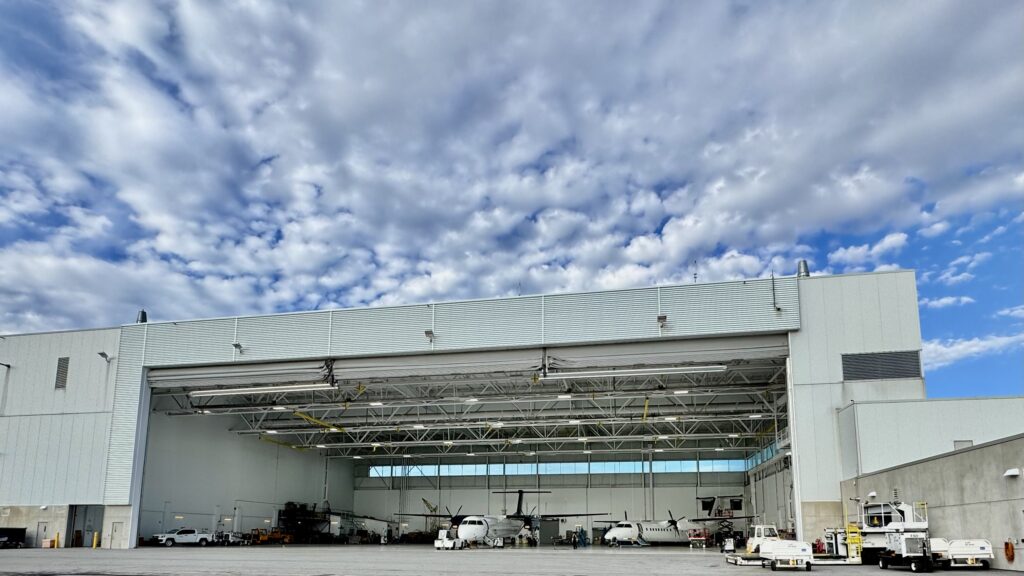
488,323
730,307
370,331
124,420
284,336
626,314
194,342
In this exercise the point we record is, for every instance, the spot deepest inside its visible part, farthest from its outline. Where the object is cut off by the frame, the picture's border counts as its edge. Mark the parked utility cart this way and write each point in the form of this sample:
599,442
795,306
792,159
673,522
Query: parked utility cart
449,540
786,554
968,553
909,549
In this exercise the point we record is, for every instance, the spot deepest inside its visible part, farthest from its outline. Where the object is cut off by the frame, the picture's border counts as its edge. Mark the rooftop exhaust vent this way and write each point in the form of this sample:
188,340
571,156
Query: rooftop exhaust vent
802,271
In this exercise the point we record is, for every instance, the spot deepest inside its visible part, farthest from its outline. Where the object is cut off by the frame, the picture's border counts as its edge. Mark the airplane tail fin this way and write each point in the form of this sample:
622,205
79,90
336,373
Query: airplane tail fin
519,504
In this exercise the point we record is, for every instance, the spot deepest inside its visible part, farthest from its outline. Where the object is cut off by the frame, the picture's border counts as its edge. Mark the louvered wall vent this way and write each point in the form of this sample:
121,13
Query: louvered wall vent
882,365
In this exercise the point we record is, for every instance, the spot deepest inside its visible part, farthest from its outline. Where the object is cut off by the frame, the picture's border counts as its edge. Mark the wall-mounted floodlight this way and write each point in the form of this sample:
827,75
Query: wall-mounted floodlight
429,334
662,320
8,366
106,357
238,346
1012,473
636,372
872,494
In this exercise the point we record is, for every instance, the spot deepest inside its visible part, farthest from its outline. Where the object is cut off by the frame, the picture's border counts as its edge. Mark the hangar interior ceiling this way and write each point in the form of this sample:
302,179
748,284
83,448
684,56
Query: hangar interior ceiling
667,401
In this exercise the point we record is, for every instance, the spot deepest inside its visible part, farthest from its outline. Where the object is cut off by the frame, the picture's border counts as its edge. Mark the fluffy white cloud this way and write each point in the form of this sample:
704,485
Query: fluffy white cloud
341,154
938,353
856,255
1012,312
945,301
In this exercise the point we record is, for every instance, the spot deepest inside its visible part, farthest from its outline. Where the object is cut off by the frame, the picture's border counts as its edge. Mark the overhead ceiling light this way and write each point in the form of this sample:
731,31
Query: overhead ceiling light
517,441
321,446
207,411
636,372
734,435
470,454
670,418
754,416
564,396
574,421
587,452
531,453
659,450
375,444
719,449
681,392
418,426
279,408
334,430
472,400
448,443
271,431
406,456
261,390
662,437
357,457
376,403
582,439
497,424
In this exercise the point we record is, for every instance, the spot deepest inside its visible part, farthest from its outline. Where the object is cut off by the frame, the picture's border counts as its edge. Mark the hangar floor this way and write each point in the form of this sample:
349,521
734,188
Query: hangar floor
370,560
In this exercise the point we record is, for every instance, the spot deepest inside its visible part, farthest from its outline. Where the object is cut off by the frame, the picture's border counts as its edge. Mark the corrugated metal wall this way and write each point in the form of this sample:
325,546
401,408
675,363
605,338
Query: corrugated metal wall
53,442
746,307
124,419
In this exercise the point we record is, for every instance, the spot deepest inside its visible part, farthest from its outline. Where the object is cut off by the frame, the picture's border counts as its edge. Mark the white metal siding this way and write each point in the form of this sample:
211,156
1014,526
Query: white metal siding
199,341
487,324
621,315
733,307
286,336
369,331
127,391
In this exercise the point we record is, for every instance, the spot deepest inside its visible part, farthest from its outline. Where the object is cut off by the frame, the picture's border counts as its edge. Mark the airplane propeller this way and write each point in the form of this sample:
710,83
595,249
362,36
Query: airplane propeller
673,522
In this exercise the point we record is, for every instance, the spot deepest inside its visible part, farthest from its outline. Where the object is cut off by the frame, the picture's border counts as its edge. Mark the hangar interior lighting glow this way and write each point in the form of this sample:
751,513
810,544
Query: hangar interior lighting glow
636,372
261,390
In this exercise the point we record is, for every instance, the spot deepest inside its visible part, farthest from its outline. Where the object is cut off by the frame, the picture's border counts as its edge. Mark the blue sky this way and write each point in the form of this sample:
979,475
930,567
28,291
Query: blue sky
207,159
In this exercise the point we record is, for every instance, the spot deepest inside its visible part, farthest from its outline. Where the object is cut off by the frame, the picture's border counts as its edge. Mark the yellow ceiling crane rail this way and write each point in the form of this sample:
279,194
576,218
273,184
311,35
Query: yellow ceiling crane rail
317,421
280,443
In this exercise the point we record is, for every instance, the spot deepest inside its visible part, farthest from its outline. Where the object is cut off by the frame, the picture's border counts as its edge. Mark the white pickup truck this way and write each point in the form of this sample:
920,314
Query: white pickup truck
184,536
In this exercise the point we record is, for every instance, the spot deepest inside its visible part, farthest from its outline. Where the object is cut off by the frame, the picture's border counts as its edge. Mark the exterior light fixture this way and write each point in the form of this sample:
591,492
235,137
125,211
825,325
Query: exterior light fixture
531,453
872,494
179,517
636,372
430,335
238,346
267,520
106,357
662,320
261,390
1012,473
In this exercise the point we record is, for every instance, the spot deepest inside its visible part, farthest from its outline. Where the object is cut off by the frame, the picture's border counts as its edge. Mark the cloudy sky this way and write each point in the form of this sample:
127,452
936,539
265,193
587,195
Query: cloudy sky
208,159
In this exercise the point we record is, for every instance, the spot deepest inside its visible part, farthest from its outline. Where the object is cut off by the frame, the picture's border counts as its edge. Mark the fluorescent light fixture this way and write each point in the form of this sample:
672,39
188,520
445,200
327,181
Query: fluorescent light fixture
178,517
734,435
564,396
755,416
376,403
470,454
659,450
587,452
574,421
662,437
582,439
636,372
266,520
375,444
497,424
271,431
357,457
227,520
468,400
719,449
789,453
261,390
531,453
334,430
418,426
279,408
448,443
517,441
207,411
670,418
681,392
321,446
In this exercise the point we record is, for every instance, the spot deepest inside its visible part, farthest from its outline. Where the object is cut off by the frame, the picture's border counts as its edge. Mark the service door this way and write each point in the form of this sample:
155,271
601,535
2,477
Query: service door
116,534
42,533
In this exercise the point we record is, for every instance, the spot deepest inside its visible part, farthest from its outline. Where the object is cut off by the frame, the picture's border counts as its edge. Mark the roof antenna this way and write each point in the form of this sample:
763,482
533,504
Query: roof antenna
142,318
694,271
775,303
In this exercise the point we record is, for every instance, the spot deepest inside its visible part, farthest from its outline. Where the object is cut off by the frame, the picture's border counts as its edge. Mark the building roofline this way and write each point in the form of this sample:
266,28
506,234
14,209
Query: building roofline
981,446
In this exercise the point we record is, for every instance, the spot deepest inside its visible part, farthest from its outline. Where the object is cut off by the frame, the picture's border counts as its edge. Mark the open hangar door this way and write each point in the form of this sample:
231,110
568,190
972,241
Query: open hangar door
636,428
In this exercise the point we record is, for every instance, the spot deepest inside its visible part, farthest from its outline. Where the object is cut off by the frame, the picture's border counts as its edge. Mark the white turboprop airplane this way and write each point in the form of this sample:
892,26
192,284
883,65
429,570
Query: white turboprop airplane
489,529
648,532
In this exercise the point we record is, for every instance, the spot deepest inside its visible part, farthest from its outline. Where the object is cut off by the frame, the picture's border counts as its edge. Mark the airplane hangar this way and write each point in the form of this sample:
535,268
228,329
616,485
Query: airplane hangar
729,399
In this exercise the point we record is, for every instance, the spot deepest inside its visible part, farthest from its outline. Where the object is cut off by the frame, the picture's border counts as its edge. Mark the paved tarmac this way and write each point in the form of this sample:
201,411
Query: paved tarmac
373,560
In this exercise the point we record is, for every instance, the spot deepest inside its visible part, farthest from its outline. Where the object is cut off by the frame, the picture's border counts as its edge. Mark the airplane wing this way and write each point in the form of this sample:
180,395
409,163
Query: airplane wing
718,518
426,515
571,515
